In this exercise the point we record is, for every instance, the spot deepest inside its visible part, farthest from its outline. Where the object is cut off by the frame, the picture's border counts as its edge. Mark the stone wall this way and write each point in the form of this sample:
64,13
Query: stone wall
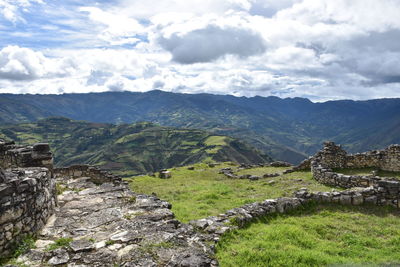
383,190
387,159
333,156
27,199
216,226
12,155
96,174
27,191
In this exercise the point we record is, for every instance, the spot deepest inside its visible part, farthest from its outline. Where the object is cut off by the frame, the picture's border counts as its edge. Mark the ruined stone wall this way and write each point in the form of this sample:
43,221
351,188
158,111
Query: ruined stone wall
387,159
96,174
216,226
27,199
12,155
27,192
371,195
385,190
333,156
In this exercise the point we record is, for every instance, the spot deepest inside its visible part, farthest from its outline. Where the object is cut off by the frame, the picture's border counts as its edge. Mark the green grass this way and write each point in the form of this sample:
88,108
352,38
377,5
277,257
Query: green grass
202,192
27,243
262,170
59,243
368,171
316,236
215,141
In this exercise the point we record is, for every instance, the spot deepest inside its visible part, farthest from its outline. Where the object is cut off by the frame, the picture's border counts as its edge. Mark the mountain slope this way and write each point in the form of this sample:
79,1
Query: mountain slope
133,148
287,129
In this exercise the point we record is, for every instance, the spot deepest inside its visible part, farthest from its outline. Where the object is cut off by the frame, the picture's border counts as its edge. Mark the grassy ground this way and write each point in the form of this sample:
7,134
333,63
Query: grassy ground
319,236
261,170
202,192
368,171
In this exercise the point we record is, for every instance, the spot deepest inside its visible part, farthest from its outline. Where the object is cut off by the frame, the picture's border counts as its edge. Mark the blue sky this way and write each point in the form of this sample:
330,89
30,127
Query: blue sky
342,49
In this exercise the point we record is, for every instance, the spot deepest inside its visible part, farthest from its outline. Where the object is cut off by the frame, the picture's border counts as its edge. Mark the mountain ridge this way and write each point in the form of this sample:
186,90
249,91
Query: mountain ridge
130,149
289,129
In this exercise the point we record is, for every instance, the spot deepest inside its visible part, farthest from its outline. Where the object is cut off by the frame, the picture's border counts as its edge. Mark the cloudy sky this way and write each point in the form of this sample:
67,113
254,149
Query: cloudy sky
319,49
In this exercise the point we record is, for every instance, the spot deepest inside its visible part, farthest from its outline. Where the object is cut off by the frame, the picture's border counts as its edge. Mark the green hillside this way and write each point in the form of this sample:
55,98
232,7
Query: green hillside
286,129
130,149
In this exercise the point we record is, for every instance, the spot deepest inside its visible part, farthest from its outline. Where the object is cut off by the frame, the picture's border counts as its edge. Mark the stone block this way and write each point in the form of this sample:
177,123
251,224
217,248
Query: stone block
164,174
357,199
345,199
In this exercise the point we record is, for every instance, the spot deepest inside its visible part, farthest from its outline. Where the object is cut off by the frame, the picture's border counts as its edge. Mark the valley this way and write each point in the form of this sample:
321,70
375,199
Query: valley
289,129
130,149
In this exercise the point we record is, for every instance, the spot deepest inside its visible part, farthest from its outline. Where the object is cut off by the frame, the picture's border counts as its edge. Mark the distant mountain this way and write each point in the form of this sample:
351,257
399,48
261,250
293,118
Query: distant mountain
130,148
288,129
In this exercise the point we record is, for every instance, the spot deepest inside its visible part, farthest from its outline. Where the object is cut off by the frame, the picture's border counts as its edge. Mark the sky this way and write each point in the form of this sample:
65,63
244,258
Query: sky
318,49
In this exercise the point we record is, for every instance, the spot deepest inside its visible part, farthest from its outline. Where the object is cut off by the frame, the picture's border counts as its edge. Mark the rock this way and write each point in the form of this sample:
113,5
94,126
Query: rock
224,170
254,178
280,164
202,223
164,174
41,244
191,168
60,257
81,245
2,176
268,175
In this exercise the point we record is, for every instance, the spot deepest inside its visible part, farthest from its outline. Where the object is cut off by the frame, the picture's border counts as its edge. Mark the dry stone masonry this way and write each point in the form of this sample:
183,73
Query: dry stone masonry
12,155
385,190
96,174
27,195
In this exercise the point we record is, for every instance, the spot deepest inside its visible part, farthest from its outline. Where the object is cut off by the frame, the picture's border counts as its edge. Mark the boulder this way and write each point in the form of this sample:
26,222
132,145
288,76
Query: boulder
254,178
164,174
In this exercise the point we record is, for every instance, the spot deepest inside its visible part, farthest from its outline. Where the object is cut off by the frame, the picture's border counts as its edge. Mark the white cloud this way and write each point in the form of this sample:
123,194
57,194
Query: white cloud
119,29
18,63
319,49
149,8
10,9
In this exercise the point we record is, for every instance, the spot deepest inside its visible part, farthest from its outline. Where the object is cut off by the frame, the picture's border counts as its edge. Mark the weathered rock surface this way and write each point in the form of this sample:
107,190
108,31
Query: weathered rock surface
110,225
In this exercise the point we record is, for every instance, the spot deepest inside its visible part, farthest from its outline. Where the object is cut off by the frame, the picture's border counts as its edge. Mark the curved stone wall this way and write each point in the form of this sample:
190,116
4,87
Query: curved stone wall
386,190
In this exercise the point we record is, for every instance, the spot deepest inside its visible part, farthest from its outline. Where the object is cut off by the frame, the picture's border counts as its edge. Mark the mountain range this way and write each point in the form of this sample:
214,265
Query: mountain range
287,129
130,149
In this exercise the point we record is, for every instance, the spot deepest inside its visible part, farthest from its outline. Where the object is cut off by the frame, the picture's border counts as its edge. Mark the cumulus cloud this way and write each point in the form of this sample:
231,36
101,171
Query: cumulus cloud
119,29
22,64
211,43
318,49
